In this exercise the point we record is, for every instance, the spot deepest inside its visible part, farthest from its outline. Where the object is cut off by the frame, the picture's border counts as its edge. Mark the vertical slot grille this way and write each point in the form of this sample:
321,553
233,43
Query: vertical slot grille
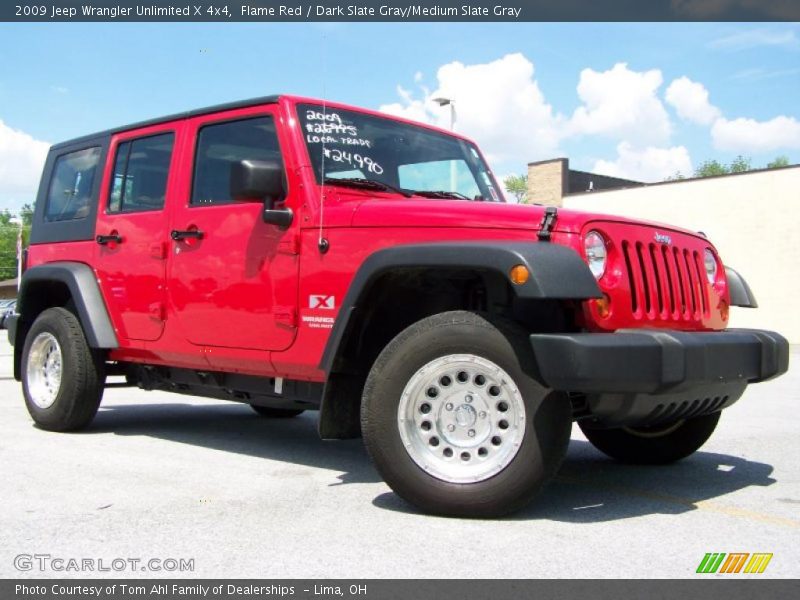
666,282
681,281
702,289
643,271
670,284
631,279
659,288
691,279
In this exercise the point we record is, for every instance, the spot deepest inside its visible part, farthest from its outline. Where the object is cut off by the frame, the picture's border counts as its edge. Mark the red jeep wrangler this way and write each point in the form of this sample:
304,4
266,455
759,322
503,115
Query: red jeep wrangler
294,254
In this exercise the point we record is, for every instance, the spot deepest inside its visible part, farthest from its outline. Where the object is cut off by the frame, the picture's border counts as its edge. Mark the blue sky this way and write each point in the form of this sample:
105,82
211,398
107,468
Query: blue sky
597,93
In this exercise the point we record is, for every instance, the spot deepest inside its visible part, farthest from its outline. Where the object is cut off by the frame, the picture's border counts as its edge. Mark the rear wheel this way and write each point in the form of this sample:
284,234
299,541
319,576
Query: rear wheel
62,377
276,413
454,421
658,445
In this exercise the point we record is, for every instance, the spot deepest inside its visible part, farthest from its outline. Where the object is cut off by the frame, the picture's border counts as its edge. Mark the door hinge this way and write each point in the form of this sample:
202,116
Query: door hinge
158,251
286,315
157,311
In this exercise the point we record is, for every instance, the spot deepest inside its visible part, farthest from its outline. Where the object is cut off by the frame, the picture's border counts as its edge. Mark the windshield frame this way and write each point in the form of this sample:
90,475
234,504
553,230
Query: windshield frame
490,191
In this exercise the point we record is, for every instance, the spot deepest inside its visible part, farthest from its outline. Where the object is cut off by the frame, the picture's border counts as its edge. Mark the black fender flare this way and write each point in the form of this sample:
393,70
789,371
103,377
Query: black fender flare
557,272
86,296
741,294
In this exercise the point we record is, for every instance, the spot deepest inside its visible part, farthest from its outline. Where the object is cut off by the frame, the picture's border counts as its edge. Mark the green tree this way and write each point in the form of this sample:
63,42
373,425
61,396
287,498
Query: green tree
8,246
9,231
517,185
780,161
26,213
740,164
710,168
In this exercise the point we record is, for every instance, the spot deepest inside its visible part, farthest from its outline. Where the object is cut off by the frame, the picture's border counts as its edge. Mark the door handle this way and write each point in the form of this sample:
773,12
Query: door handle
107,239
178,235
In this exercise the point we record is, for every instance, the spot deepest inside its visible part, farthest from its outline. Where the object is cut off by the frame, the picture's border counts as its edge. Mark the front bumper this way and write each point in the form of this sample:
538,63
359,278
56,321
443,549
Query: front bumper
640,377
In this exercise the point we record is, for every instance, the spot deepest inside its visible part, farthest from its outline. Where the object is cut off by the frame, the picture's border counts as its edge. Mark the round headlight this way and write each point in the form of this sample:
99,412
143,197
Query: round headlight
711,265
595,247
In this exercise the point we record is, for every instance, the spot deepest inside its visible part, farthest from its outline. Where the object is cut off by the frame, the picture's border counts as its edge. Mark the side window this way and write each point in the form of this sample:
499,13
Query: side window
69,196
221,145
141,169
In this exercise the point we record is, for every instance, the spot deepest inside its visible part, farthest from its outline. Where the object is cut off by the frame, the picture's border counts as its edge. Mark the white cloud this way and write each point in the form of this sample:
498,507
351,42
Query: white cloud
21,161
690,100
743,135
749,135
499,103
753,38
646,164
409,108
622,104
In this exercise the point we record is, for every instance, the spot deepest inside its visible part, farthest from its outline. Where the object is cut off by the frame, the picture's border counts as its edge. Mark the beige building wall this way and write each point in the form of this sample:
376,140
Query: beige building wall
546,181
754,221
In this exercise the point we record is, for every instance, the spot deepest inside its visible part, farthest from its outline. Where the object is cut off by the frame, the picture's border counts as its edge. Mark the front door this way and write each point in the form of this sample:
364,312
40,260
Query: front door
232,277
132,230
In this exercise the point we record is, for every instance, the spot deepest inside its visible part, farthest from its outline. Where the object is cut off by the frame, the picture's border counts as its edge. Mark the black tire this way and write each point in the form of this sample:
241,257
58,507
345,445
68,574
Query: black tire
82,373
276,413
658,445
546,428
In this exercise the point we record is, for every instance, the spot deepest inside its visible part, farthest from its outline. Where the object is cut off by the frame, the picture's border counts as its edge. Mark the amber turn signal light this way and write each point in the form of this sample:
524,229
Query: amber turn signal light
603,306
724,310
519,274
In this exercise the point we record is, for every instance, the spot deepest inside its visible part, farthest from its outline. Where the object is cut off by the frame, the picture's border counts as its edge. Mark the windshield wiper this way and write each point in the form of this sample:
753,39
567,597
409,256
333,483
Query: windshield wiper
367,183
444,194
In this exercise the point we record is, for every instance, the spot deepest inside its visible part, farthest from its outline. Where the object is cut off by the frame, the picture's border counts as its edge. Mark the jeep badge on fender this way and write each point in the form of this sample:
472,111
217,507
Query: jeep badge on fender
296,254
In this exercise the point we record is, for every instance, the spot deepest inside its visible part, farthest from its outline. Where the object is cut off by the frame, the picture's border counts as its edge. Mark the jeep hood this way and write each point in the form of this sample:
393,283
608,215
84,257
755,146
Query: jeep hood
480,215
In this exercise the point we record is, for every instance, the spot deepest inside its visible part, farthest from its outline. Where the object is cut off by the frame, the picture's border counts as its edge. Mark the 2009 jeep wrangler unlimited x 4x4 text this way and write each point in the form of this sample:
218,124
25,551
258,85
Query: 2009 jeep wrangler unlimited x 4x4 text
294,254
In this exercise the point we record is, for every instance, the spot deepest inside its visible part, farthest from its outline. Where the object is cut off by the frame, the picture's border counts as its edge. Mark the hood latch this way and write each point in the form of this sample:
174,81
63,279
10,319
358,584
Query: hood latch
548,220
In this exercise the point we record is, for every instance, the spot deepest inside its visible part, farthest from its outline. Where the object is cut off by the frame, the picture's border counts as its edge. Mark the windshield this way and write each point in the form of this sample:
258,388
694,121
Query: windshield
353,147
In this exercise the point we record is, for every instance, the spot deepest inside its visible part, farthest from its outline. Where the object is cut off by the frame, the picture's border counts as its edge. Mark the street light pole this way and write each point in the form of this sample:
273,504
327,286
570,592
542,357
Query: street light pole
452,104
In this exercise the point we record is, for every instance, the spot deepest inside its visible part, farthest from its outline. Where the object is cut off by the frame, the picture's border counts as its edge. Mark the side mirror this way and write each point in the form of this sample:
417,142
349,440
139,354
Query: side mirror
262,181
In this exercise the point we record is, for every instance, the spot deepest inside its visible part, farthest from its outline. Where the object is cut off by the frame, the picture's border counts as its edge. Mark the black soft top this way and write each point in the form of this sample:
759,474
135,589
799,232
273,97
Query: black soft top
175,117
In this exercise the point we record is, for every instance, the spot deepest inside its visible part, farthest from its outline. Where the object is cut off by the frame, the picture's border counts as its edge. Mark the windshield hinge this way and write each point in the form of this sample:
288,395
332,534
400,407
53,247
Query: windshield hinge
548,220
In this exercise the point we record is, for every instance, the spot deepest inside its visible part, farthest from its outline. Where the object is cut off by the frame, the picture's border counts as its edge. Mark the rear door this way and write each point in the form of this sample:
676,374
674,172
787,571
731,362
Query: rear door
132,229
232,277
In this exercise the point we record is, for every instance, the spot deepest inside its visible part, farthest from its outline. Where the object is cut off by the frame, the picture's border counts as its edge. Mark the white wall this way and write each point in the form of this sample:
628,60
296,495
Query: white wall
754,221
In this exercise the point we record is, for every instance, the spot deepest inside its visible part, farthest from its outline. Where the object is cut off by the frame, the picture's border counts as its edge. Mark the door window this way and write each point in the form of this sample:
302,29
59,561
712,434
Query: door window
141,169
220,146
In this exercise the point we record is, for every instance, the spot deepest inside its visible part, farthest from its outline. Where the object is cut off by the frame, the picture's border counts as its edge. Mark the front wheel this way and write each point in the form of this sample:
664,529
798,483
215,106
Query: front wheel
657,445
62,377
454,421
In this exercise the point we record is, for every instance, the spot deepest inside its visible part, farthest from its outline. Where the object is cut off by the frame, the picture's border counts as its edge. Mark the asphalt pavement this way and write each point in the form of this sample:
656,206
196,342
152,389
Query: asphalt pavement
231,494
